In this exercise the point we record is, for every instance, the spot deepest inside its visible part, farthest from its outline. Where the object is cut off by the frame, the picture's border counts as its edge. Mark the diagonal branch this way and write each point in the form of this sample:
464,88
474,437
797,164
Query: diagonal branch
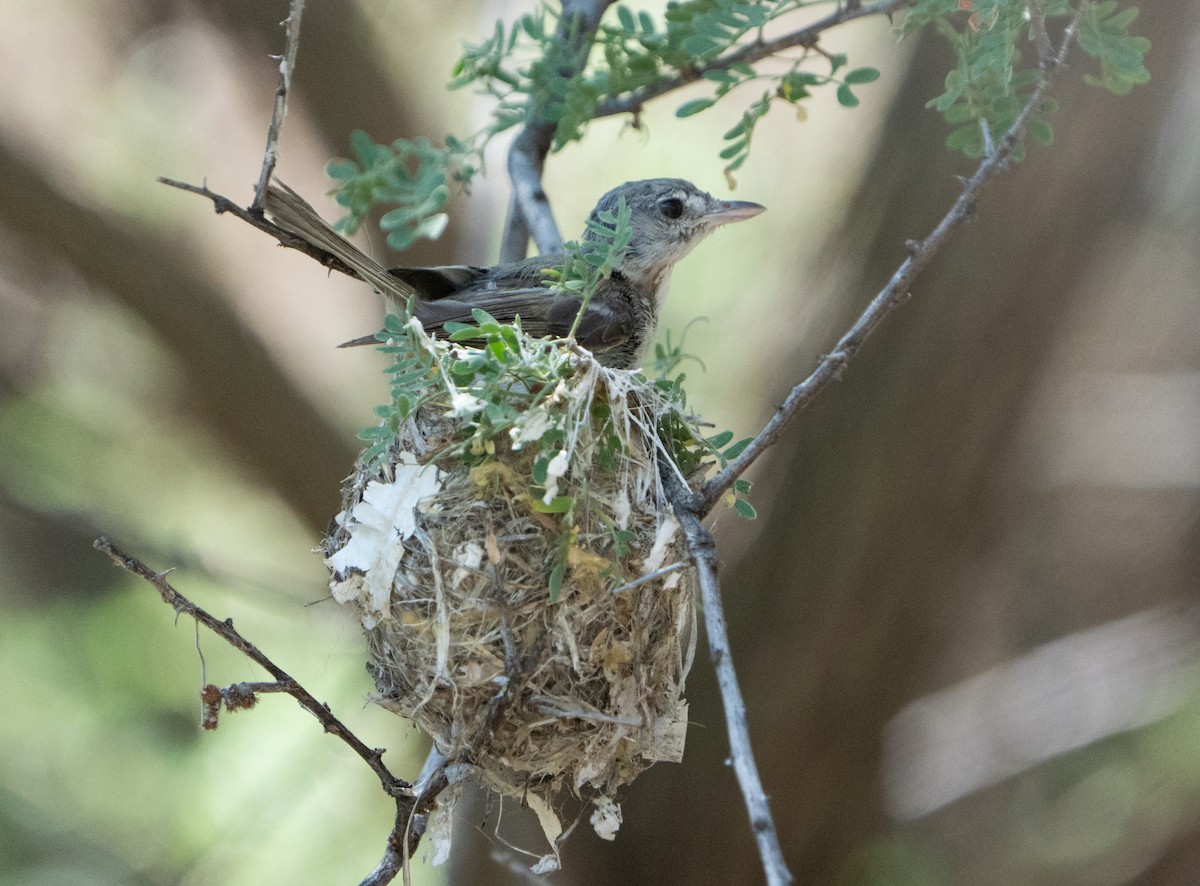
895,293
691,506
393,786
747,54
413,803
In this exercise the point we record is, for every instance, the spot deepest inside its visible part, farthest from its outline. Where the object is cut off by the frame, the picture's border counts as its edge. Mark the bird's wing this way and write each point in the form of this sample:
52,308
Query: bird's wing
439,282
604,324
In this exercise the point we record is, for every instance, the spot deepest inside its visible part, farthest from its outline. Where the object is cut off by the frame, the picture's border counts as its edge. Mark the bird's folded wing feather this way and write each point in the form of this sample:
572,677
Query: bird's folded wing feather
603,324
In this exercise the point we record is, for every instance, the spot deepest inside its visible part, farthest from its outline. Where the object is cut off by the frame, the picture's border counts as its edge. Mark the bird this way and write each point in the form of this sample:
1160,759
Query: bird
668,217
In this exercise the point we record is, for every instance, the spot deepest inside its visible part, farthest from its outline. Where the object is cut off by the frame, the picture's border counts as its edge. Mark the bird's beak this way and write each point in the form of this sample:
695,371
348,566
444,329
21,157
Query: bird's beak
724,212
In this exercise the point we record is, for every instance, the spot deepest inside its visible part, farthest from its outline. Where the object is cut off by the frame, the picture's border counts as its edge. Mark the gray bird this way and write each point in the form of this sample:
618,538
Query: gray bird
668,217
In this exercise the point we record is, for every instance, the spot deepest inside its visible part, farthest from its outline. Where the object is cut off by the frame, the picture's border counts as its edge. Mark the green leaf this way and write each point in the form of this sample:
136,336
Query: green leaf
733,149
846,97
379,432
744,509
701,45
340,168
737,448
625,17
718,440
861,75
560,504
695,106
556,580
1041,131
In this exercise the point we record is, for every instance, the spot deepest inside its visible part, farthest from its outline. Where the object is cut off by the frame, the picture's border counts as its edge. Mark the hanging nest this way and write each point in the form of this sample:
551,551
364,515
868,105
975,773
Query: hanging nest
521,581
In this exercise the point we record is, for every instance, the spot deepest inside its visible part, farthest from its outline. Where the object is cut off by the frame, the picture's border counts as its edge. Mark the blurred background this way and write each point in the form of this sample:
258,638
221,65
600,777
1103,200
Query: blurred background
965,620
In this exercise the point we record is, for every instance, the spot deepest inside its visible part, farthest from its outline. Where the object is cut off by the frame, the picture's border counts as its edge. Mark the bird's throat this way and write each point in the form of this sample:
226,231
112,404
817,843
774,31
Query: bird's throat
660,288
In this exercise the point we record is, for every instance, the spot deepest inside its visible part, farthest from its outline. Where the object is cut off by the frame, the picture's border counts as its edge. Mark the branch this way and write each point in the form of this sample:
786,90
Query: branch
413,805
410,823
529,211
393,786
1041,39
690,509
748,54
895,293
287,64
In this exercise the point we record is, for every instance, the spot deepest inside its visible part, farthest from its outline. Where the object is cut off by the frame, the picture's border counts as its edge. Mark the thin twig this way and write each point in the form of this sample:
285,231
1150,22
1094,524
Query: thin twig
703,550
529,211
393,786
413,805
748,54
287,64
651,576
895,292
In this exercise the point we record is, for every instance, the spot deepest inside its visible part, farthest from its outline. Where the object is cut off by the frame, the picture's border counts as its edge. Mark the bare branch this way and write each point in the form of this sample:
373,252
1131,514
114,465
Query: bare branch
895,292
393,786
748,54
1041,39
287,64
529,211
411,819
689,508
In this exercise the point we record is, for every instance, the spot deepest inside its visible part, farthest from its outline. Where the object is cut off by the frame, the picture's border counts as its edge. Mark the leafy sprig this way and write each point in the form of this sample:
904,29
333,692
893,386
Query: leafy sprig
531,72
793,87
993,77
525,68
589,262
412,174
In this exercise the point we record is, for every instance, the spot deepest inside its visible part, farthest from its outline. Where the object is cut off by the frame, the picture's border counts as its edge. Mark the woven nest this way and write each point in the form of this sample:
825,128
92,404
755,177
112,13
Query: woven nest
545,650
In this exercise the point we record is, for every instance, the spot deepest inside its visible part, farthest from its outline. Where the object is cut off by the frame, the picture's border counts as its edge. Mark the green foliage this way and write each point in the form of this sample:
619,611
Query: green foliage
534,69
996,67
531,72
414,175
510,393
792,87
1104,34
589,262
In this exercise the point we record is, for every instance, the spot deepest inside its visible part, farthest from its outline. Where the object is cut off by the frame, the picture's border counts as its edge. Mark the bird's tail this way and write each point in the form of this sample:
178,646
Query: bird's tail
293,213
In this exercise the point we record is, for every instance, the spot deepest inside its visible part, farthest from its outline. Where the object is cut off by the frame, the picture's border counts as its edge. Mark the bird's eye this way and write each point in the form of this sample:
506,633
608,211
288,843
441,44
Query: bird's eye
671,207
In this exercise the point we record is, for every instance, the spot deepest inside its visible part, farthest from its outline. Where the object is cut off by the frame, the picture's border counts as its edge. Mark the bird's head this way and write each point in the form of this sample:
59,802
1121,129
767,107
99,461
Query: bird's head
668,217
